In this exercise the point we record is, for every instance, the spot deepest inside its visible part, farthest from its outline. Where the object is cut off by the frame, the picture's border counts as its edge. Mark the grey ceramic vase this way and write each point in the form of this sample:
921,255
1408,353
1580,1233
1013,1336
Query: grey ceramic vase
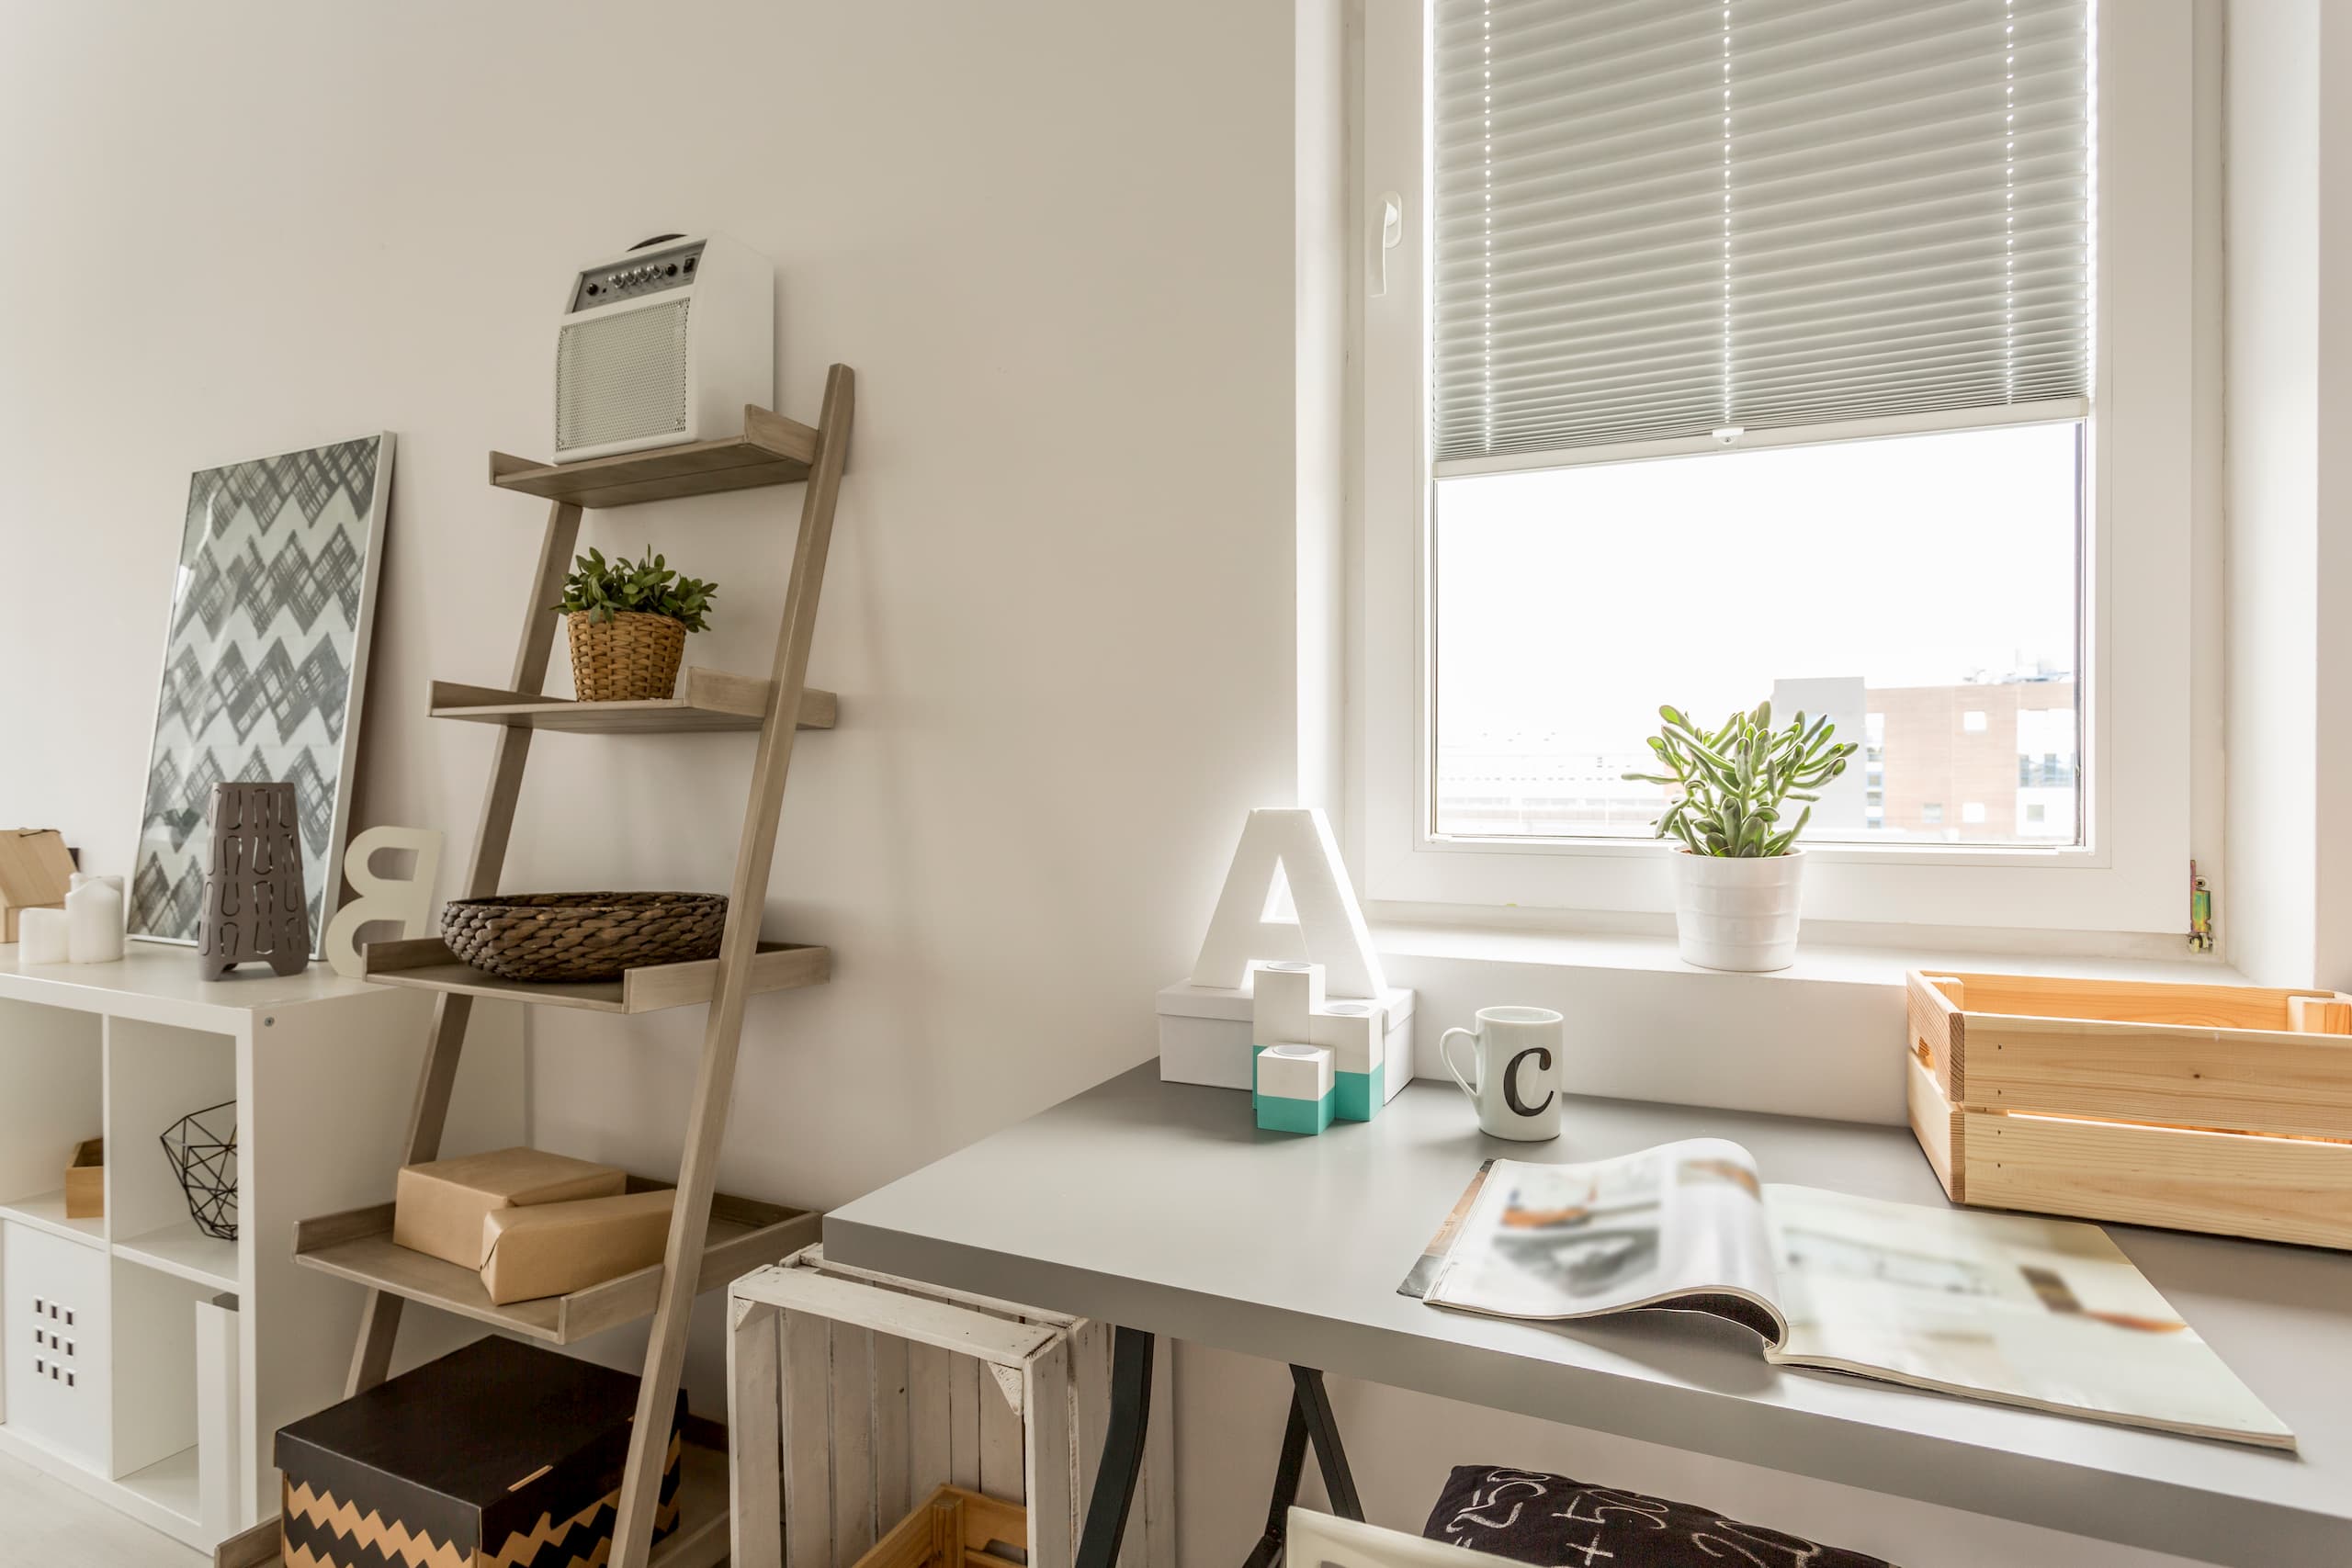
255,910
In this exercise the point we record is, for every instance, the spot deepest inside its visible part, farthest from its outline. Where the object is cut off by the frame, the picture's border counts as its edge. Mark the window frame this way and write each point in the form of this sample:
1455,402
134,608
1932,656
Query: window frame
2138,530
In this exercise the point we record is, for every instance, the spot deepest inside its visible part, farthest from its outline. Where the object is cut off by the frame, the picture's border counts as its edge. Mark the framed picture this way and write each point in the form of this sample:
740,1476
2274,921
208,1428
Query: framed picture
265,660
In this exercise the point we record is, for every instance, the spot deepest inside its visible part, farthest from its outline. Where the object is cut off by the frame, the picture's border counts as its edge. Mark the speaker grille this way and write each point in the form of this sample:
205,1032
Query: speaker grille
621,378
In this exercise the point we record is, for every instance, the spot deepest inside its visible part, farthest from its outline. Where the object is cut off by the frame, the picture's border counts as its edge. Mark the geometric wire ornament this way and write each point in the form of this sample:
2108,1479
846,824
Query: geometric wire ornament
202,1147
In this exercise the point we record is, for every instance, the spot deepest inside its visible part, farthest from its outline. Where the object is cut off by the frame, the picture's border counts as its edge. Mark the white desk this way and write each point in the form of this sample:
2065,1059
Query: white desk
1160,1207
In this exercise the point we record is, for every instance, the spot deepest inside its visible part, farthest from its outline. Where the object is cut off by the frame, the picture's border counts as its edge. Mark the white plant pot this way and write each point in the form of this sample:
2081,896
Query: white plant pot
1734,913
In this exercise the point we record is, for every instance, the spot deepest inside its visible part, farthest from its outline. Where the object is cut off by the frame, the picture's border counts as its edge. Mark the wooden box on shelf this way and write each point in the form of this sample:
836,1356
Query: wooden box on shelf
2225,1109
85,1181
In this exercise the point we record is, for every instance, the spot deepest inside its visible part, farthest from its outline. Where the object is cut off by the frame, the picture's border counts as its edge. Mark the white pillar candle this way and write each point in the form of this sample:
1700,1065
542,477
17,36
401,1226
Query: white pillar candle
94,919
41,937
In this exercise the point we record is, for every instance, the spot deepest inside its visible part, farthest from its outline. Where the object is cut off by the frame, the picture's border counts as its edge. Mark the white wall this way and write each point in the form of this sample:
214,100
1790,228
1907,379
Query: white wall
2288,394
1061,243
1056,241
2273,109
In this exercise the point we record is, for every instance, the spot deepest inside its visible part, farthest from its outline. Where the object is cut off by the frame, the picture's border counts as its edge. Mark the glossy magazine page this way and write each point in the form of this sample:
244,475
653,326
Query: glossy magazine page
1679,1226
2012,1308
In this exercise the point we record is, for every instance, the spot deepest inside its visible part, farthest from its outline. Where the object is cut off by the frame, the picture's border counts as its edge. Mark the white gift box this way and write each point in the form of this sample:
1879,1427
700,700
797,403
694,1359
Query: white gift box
1205,1034
1282,1000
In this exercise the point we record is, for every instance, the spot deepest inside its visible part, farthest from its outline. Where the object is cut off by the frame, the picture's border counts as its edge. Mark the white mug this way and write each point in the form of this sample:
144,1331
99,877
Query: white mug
1518,1052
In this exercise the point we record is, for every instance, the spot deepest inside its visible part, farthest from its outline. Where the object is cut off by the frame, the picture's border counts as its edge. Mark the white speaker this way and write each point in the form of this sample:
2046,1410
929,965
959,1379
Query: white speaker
664,345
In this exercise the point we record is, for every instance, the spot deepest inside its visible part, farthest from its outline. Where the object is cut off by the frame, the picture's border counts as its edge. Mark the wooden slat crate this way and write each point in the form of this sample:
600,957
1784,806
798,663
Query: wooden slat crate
2208,1108
951,1528
853,1396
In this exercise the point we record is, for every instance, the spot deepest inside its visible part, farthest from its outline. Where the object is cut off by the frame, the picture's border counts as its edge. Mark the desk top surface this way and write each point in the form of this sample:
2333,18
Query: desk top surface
1161,1206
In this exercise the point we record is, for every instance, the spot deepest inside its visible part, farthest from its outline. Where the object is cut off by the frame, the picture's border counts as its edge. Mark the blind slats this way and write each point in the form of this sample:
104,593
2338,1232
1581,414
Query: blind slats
1655,218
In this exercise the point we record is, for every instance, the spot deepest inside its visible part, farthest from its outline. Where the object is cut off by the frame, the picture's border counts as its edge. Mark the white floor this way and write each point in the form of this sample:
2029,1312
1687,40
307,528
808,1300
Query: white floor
45,1525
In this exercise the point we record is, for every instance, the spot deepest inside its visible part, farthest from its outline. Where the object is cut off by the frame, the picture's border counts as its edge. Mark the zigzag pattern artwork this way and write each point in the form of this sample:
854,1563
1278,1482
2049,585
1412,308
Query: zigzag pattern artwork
258,665
320,1533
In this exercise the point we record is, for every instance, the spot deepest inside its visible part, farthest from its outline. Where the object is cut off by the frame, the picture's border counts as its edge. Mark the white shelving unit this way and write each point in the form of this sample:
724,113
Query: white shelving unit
123,1051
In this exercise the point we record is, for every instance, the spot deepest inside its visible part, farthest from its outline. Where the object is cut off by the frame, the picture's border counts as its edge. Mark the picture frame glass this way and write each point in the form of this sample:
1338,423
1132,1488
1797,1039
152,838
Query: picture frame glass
264,661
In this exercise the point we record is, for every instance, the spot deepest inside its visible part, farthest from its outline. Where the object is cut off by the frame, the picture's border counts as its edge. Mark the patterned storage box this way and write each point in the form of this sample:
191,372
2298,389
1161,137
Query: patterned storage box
500,1453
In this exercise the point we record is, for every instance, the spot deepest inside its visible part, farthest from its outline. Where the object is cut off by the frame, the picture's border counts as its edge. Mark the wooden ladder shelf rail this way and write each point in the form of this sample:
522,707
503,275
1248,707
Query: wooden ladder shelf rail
722,1033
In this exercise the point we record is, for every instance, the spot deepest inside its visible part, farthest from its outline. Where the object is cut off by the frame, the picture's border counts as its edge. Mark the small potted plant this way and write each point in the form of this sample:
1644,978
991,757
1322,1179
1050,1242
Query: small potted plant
1737,869
627,622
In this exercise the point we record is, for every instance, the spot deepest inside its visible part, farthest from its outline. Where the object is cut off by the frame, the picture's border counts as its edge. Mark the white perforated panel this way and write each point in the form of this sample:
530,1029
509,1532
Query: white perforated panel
621,378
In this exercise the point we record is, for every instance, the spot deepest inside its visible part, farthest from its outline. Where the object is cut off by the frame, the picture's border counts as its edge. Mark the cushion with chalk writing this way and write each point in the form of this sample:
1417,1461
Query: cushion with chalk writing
1550,1519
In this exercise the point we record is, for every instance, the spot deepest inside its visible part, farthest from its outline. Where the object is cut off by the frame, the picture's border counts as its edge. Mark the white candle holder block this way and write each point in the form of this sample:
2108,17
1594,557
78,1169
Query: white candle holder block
1356,1034
1296,1088
1282,1000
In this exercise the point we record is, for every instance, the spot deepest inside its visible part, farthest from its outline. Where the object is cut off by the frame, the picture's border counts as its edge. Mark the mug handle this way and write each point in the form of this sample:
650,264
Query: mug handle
1445,1056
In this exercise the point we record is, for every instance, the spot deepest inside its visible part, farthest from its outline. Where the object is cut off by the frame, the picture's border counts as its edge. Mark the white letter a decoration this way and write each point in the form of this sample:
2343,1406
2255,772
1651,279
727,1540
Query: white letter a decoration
1295,843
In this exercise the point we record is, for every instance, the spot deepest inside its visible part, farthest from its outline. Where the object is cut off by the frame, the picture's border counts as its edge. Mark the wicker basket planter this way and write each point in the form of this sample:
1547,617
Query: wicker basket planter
632,658
581,936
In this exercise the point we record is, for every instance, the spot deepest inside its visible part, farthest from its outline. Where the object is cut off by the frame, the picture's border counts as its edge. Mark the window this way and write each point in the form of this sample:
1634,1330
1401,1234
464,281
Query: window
1754,349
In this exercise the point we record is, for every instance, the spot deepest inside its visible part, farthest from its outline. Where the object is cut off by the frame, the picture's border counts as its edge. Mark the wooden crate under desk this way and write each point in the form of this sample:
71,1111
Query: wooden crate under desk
2225,1109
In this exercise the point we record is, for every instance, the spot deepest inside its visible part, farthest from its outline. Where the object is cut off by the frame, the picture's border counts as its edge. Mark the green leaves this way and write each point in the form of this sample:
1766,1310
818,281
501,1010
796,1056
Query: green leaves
1734,780
600,590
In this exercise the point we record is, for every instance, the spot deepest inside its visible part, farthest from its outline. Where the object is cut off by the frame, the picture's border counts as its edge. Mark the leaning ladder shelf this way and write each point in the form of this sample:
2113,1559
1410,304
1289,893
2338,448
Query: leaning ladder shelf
713,1237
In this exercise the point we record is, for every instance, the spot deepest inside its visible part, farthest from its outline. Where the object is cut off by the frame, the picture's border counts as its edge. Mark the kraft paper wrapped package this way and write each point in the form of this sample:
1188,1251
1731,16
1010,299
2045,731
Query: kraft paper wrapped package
550,1249
438,1207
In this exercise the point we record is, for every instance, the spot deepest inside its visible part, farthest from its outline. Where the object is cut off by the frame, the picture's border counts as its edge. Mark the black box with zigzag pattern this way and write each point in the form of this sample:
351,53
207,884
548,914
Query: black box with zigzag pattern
499,1455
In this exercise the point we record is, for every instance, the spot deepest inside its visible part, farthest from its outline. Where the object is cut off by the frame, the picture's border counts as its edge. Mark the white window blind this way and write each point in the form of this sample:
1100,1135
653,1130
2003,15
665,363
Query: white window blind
1657,218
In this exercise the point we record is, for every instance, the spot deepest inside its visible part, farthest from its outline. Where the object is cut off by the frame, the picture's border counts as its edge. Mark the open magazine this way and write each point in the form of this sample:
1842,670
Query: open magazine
2010,1308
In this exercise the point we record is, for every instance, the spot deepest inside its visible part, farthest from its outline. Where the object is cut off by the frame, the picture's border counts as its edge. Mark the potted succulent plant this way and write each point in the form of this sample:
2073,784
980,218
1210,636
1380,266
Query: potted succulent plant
1737,869
627,621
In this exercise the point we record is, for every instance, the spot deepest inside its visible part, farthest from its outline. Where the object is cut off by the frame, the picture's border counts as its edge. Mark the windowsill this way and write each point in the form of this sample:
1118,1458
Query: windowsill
1846,965
1824,1037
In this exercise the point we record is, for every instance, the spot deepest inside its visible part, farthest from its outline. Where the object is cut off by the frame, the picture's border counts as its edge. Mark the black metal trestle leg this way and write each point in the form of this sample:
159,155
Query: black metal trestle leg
1123,1439
1310,1418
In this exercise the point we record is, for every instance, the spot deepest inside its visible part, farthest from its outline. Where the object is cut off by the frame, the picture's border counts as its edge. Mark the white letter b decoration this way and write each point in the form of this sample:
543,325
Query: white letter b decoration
406,901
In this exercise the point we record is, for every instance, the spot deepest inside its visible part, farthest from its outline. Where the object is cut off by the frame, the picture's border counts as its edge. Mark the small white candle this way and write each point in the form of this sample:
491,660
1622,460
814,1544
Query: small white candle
41,937
94,919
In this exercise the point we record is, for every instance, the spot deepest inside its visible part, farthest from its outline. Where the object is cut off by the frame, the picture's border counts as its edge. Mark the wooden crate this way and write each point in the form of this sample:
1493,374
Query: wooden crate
952,1528
2208,1108
853,1396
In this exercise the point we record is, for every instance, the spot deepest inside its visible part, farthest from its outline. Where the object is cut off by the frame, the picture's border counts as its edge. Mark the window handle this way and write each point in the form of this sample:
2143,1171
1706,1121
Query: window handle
1392,230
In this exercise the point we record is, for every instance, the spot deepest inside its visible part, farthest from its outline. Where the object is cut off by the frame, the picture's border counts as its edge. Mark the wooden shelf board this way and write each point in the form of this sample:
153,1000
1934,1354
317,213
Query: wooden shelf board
46,1211
357,1245
712,700
182,1250
426,964
772,450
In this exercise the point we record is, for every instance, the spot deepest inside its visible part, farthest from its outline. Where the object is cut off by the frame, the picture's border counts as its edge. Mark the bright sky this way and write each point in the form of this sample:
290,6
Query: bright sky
1579,599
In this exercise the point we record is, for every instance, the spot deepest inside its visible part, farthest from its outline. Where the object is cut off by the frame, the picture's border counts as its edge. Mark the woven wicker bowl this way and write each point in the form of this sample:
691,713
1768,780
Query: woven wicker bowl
632,658
581,936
